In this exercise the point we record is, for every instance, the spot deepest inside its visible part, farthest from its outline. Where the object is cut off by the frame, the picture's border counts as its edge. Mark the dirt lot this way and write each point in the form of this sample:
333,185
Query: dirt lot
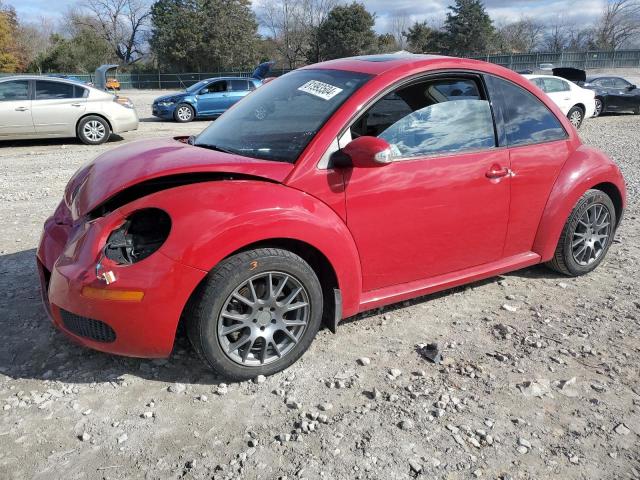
540,379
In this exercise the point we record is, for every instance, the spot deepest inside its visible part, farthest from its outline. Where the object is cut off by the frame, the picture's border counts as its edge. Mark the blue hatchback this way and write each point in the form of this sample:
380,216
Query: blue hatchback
207,98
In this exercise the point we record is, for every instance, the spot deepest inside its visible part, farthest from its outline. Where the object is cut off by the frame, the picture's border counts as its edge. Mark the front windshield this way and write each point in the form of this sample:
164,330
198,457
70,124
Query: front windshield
196,86
279,119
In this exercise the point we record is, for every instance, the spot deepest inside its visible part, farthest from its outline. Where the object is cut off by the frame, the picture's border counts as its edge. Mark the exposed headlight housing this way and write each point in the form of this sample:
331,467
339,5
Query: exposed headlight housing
167,102
142,234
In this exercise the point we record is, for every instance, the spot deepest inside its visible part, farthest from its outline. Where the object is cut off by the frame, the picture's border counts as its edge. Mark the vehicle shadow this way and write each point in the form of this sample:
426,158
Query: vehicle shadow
51,142
32,348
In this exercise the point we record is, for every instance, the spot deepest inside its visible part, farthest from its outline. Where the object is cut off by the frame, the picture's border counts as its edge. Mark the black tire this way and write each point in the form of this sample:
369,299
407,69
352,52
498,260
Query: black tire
184,113
599,110
93,130
564,260
576,116
203,312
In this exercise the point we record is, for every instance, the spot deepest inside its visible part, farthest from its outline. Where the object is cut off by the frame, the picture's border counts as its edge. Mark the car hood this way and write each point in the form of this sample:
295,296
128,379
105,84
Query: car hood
177,95
146,160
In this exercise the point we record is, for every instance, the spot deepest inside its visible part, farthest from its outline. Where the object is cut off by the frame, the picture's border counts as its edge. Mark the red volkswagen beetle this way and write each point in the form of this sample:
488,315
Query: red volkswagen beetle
335,189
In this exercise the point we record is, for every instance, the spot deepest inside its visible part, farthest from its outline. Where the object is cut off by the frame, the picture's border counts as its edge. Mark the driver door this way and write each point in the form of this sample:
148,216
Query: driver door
214,98
442,205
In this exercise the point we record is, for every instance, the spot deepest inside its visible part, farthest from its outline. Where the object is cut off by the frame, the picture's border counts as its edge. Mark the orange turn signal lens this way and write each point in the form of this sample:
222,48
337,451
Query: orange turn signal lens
119,295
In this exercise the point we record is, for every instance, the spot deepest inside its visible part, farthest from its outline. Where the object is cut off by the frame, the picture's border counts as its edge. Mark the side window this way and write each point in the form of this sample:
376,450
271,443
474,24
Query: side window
620,83
539,82
53,90
553,85
239,85
80,92
607,83
431,117
527,120
217,87
14,91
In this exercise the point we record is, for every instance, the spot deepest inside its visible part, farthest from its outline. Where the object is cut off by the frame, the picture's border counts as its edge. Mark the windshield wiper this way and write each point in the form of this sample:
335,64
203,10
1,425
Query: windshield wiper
216,148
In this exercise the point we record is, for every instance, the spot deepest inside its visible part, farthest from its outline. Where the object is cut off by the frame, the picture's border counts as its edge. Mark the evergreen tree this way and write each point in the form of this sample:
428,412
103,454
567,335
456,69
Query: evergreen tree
347,31
469,27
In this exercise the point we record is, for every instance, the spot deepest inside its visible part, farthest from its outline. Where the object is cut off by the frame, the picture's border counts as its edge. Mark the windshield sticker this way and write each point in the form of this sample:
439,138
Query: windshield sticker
320,89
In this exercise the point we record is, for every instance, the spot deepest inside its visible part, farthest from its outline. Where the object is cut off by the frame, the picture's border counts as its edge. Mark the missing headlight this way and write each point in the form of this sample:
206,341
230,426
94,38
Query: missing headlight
141,235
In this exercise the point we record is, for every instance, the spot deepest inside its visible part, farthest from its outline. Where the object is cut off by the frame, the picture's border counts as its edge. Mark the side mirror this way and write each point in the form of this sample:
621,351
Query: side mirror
204,91
631,87
363,152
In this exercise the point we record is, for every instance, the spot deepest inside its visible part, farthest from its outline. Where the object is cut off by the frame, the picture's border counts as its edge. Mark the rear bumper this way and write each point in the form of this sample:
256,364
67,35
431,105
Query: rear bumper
125,121
66,263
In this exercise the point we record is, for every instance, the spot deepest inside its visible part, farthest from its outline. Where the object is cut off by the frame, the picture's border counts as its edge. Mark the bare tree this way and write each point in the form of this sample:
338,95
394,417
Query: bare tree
557,37
122,23
521,36
291,25
619,24
399,22
33,40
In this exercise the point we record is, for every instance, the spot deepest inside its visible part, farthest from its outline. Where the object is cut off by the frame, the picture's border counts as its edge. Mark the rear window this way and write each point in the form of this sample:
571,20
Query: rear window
527,120
239,85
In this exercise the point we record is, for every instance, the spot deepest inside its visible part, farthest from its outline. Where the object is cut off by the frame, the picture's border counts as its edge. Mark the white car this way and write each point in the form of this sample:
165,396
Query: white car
576,103
48,107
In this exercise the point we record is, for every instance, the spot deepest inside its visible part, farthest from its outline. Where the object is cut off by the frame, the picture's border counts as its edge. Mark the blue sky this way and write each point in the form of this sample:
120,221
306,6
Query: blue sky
580,11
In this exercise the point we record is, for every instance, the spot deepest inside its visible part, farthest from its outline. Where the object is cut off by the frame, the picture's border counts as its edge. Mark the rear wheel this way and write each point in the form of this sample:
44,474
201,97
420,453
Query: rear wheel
93,130
575,116
184,113
599,107
586,236
256,313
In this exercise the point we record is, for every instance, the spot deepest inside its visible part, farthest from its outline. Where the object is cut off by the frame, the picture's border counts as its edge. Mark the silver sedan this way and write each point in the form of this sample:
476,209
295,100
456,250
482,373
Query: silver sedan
47,107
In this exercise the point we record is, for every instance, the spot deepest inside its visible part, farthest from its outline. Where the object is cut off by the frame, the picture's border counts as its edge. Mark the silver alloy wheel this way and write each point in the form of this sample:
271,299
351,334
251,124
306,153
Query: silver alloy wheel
576,118
591,235
94,130
598,106
184,113
263,319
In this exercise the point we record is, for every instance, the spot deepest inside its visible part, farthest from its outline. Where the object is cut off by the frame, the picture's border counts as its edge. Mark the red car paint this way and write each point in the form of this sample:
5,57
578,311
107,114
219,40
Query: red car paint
453,220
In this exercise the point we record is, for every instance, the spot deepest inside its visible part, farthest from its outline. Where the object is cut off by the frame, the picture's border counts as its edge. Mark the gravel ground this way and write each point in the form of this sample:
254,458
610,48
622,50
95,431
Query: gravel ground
539,379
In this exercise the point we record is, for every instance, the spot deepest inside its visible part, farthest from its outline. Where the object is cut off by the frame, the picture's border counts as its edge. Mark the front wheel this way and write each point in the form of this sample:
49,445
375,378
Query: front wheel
575,116
184,113
587,235
256,313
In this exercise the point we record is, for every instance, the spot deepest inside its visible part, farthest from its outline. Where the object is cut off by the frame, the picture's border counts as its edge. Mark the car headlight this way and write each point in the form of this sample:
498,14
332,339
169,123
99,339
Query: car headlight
167,103
142,234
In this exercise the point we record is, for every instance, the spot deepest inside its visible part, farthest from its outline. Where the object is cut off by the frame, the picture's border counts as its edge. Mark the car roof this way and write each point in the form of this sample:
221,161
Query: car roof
601,77
42,77
532,76
228,78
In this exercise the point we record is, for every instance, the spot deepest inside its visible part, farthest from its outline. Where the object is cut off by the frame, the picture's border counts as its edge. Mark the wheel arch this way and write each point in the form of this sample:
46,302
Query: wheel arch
247,214
319,263
587,168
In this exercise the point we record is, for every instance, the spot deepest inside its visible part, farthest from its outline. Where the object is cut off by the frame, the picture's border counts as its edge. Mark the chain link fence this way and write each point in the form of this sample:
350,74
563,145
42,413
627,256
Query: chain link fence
515,61
582,60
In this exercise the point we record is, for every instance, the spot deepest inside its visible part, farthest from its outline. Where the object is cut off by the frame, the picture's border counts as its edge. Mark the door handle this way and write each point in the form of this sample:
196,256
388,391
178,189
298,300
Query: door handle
21,109
496,171
76,104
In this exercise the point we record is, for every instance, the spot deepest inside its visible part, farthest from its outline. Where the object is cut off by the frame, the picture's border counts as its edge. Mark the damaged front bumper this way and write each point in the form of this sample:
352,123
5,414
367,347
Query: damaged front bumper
81,305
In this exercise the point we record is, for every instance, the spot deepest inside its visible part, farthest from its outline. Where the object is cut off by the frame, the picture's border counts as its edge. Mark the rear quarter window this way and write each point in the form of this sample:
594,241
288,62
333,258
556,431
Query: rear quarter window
526,119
